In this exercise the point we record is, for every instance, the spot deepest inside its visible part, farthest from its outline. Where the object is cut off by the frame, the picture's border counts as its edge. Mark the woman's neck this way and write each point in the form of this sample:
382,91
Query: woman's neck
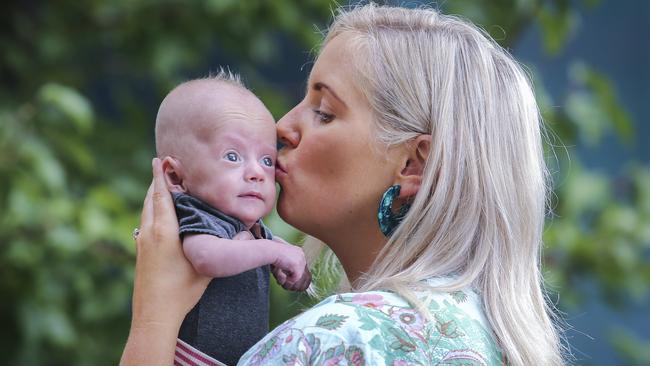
356,250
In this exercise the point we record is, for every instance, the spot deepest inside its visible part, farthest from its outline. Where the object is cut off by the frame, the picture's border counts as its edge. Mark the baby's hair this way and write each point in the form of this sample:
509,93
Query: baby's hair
168,129
227,76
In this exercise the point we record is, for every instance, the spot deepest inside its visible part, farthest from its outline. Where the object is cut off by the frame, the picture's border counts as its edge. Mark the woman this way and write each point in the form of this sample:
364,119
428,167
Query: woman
451,272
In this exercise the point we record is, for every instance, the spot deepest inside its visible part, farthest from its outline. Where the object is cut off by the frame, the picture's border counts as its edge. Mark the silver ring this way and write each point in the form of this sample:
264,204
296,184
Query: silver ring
136,232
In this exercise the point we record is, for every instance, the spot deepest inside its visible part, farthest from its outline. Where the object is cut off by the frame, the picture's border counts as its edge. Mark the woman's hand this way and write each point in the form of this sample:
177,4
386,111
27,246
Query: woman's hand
166,286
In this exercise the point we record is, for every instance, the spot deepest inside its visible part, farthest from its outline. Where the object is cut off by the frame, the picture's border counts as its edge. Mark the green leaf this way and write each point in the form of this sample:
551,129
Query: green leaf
73,105
598,104
65,239
331,321
401,343
557,23
583,110
585,190
334,352
45,167
634,350
367,323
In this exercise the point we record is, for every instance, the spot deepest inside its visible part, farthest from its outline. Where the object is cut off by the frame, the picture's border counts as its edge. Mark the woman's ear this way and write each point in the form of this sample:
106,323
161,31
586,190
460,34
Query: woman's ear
412,168
173,173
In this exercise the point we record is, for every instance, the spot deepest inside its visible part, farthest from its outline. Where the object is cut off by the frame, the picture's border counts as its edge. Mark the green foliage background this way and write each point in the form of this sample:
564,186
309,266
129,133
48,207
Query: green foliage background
81,82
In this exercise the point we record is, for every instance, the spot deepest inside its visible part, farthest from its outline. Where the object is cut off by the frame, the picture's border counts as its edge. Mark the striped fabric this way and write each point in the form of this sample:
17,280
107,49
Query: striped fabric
187,355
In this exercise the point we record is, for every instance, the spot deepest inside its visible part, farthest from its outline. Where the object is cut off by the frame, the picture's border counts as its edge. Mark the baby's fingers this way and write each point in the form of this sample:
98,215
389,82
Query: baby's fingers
304,281
280,276
299,280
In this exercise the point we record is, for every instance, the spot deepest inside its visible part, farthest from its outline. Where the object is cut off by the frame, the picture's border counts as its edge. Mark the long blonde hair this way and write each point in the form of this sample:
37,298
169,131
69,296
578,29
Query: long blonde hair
480,210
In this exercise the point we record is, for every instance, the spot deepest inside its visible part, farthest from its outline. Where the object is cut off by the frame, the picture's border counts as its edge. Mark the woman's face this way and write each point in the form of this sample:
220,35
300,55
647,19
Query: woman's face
331,170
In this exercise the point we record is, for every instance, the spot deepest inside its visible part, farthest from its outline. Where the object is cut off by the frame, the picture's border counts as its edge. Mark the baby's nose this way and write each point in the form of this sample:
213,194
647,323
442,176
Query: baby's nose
255,173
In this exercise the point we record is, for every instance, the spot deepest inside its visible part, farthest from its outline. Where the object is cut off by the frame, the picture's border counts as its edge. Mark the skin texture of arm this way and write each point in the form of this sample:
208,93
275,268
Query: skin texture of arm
161,273
218,257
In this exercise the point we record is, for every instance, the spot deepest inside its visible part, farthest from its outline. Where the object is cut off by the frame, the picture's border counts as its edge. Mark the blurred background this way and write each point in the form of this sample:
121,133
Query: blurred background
81,82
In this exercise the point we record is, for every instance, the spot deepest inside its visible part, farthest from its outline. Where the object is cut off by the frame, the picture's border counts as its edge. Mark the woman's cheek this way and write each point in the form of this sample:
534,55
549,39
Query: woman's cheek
324,161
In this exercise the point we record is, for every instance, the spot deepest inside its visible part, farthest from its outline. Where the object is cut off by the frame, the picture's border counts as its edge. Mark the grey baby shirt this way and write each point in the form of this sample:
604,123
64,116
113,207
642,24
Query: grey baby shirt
233,313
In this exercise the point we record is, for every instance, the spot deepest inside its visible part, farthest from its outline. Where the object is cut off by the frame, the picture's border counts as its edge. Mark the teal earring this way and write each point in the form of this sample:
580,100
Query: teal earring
388,220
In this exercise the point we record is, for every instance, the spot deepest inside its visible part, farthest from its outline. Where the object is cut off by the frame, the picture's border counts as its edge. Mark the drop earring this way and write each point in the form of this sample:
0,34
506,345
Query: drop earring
388,220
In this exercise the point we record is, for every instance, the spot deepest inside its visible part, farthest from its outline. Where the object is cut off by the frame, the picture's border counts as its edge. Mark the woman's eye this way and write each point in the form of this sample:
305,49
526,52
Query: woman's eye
267,161
231,156
323,117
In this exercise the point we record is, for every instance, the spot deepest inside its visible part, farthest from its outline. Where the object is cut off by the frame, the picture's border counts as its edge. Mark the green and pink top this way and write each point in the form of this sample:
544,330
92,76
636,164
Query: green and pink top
381,328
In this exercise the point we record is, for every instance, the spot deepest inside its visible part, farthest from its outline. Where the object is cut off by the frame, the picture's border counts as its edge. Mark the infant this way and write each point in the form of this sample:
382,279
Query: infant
217,143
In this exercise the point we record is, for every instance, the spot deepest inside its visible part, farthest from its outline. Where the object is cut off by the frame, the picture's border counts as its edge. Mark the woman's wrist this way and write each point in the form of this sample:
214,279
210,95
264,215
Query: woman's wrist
151,343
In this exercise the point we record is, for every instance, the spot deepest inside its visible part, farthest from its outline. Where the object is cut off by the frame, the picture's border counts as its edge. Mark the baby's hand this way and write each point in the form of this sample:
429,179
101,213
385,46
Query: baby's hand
290,268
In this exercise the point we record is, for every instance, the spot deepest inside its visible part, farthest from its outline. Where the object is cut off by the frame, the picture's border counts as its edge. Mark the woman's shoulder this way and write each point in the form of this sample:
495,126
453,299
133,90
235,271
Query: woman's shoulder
456,331
381,327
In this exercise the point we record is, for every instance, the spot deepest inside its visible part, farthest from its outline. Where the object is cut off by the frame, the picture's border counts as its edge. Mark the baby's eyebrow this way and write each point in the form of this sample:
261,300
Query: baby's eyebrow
272,148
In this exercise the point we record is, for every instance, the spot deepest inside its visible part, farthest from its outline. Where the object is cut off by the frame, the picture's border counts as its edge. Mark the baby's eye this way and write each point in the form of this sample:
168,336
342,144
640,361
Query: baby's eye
267,161
231,156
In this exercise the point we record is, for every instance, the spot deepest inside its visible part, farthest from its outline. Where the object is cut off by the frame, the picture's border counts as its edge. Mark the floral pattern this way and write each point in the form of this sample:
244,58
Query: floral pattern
381,328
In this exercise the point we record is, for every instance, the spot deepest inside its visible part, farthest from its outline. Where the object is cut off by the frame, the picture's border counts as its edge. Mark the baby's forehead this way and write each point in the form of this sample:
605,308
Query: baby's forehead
235,119
244,138
210,104
223,102
243,134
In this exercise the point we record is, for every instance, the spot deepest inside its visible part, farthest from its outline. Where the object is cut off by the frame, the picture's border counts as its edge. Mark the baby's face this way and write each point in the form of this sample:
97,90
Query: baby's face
234,169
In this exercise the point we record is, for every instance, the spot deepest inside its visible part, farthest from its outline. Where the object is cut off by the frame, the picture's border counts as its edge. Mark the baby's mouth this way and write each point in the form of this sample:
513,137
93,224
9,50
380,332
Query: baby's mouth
252,194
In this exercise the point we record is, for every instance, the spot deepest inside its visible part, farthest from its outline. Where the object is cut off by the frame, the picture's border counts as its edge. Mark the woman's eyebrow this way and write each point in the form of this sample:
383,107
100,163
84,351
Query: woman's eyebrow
319,86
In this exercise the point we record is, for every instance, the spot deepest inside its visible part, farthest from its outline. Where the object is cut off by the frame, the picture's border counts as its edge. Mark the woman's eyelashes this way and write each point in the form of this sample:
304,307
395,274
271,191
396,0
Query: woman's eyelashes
323,117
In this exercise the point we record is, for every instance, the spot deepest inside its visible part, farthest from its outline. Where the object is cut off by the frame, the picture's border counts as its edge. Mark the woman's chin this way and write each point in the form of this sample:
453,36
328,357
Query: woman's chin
283,209
290,214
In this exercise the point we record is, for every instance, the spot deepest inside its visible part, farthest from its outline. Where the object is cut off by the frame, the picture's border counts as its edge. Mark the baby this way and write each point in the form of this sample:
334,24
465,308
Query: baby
217,143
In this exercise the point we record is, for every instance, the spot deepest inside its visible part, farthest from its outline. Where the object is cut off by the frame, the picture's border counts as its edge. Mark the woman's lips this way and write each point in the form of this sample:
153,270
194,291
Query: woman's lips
280,170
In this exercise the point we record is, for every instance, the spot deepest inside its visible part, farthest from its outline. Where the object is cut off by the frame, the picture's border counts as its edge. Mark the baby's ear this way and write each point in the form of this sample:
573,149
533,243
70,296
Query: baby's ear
173,172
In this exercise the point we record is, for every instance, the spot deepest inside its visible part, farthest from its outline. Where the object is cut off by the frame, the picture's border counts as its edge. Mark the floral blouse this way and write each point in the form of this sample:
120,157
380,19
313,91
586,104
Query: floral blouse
381,328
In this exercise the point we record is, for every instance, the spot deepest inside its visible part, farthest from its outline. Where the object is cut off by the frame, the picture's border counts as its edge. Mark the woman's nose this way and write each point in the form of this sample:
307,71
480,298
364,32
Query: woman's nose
288,131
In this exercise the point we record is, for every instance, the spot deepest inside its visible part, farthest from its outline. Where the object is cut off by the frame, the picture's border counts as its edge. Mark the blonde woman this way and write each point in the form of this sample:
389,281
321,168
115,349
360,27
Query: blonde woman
416,157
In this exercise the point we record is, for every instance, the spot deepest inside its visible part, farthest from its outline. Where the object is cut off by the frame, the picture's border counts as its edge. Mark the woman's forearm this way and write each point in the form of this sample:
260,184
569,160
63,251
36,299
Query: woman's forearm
150,344
165,286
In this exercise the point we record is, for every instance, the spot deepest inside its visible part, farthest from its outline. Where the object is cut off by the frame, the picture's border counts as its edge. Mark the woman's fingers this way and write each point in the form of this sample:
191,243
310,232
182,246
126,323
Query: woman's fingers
162,272
243,235
162,201
146,218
